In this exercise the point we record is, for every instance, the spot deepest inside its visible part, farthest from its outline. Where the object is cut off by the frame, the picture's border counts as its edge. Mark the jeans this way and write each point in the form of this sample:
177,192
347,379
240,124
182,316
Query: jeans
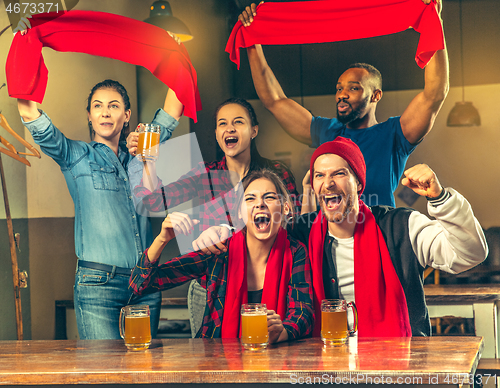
197,301
99,297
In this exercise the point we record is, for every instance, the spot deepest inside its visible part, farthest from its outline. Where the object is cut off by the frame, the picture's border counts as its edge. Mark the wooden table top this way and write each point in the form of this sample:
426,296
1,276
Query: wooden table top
461,293
431,360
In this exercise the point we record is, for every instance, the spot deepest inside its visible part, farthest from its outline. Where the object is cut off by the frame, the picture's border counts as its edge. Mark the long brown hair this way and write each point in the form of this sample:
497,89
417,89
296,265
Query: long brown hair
257,161
281,190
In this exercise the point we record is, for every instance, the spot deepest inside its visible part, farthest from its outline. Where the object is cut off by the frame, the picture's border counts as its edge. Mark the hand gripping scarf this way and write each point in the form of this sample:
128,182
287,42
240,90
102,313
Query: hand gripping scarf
277,278
334,21
102,34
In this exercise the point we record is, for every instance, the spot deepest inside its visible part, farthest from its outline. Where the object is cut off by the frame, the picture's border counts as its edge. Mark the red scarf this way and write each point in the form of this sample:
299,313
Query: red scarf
278,273
102,34
380,300
334,21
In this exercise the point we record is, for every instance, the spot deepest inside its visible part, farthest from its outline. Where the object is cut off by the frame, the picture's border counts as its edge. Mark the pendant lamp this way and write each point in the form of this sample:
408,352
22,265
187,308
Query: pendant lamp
463,114
161,16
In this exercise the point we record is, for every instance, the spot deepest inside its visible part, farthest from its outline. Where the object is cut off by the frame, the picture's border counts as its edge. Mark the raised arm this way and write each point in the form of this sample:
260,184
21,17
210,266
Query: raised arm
454,241
50,139
172,105
418,118
148,277
293,118
174,223
308,198
27,110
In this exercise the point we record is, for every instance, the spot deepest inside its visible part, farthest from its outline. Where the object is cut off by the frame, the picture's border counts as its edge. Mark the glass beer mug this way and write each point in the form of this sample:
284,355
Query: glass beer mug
254,334
149,142
334,327
135,327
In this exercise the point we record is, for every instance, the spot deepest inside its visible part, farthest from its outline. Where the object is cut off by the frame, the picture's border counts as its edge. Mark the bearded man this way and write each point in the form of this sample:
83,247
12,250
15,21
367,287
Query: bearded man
386,146
376,256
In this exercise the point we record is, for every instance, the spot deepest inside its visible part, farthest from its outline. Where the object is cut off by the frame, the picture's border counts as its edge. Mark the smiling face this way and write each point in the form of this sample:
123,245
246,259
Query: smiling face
353,94
337,188
234,130
262,209
107,115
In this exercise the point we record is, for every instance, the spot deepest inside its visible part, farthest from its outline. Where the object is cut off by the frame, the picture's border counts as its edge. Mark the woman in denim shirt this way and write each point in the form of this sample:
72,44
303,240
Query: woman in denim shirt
110,235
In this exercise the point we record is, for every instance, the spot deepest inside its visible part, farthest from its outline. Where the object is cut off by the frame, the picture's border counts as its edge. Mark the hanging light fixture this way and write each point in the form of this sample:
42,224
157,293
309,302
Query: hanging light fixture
161,16
463,114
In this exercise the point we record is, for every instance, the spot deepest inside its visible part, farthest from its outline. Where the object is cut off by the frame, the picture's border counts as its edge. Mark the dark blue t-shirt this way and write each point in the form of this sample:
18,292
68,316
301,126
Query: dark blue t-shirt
384,148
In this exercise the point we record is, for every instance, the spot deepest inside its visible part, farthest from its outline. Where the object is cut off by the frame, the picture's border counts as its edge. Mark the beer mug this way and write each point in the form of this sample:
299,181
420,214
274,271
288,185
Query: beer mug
254,334
334,328
149,142
135,327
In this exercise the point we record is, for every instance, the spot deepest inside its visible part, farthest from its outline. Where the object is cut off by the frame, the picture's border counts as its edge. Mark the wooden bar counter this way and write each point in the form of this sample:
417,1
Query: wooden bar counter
395,361
477,301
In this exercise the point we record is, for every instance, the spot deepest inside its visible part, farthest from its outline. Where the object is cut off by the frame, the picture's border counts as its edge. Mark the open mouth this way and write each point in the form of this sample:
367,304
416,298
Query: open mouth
332,201
262,221
231,141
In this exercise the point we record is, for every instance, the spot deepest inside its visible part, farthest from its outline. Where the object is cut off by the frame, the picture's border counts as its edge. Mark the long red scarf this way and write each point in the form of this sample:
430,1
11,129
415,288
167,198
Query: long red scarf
334,21
277,278
380,300
106,35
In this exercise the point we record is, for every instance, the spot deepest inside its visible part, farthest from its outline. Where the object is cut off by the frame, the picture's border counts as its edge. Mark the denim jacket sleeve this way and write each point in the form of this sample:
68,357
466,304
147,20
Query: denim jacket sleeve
167,123
51,140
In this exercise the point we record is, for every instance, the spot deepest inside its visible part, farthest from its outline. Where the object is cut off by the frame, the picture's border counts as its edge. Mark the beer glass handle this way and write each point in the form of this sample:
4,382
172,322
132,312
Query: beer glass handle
122,323
355,313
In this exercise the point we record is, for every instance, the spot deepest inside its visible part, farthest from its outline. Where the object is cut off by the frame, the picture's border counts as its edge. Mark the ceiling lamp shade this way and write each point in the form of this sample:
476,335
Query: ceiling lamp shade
161,16
463,114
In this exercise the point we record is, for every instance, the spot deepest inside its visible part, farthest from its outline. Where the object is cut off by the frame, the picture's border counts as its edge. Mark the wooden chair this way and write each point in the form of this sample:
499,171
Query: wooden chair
444,325
429,270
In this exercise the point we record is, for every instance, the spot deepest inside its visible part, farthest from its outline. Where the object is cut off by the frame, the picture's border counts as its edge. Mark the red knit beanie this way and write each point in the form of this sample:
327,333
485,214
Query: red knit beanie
349,151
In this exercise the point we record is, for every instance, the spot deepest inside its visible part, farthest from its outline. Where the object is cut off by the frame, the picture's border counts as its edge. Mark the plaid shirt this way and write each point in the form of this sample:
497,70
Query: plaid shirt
210,185
148,277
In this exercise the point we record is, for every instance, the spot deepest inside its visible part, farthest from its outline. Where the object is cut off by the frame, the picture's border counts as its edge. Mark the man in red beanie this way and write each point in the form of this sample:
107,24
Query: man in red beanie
386,145
376,256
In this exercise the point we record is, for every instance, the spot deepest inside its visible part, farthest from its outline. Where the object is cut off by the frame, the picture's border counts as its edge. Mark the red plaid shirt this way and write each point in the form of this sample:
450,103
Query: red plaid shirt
148,277
209,184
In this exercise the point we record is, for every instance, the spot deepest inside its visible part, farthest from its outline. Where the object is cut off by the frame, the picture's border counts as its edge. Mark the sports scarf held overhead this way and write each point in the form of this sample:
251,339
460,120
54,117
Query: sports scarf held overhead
334,21
274,295
380,300
102,34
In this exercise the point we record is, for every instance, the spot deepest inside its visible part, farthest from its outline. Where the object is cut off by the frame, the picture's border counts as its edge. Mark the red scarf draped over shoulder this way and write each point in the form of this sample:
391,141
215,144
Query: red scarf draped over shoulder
323,21
277,278
105,35
379,296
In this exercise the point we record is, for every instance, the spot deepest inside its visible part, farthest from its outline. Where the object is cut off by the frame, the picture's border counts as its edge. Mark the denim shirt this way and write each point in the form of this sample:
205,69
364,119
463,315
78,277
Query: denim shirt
108,229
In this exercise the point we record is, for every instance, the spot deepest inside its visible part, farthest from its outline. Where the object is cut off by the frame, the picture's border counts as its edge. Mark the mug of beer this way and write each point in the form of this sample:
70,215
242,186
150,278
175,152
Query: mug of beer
135,327
334,329
149,142
254,334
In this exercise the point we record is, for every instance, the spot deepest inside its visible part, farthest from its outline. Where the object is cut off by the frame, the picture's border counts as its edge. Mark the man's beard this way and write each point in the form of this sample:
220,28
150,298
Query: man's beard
355,113
342,212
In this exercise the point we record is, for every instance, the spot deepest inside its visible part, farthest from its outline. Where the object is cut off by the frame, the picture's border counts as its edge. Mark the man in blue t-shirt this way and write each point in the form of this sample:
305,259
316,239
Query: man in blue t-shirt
385,146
